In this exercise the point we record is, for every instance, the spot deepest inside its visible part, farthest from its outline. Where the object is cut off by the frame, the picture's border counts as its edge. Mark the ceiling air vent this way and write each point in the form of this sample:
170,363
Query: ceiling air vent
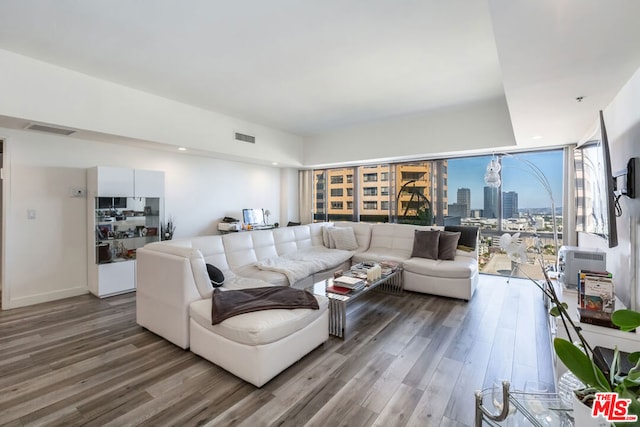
245,138
49,129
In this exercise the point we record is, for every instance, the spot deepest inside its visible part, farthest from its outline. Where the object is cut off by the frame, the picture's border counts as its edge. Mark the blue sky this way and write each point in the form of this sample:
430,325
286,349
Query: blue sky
516,176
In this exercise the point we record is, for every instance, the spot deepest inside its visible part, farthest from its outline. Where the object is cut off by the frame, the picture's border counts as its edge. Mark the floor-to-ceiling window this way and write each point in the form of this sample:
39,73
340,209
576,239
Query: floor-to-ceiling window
522,203
453,192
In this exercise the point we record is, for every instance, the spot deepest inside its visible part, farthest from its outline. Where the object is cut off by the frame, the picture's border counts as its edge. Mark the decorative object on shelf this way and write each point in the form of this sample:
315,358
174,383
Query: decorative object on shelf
168,229
579,358
267,214
104,252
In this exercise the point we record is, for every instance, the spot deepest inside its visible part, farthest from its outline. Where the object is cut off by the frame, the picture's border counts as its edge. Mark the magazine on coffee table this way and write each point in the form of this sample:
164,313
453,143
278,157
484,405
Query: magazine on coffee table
338,290
349,282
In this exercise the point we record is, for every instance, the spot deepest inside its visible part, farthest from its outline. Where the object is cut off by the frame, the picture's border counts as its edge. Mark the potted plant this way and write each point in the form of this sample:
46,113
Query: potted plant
167,230
577,355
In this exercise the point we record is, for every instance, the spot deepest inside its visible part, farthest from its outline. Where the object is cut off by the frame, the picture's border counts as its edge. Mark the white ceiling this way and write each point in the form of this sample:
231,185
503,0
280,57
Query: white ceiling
314,66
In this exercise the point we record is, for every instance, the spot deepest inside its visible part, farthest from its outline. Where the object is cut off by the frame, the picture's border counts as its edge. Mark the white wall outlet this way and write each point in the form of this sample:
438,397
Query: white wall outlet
78,192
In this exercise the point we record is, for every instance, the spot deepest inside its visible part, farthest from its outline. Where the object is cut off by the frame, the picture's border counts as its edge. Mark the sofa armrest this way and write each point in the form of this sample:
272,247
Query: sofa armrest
165,288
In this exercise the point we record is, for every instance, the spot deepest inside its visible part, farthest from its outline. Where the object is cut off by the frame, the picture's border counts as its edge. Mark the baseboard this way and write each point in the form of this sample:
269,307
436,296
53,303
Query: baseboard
46,297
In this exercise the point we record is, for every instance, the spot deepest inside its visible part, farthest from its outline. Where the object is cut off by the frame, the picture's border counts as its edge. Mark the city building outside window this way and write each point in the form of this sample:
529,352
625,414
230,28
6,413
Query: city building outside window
370,191
371,210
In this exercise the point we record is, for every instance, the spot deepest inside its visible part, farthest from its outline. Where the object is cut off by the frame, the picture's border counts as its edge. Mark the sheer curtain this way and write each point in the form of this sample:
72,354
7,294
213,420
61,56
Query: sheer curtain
305,196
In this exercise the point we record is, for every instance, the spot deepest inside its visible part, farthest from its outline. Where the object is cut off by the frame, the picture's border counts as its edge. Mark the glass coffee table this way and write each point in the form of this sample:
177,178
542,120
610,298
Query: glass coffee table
391,283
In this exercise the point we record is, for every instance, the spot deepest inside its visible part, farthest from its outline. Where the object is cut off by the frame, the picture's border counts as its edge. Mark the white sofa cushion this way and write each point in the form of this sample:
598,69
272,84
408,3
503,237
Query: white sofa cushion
197,261
393,238
244,283
248,247
460,268
260,327
378,256
291,239
252,272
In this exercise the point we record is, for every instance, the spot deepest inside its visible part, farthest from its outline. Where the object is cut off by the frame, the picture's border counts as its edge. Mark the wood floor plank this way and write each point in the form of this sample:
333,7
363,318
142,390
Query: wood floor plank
378,396
409,359
460,406
400,407
431,407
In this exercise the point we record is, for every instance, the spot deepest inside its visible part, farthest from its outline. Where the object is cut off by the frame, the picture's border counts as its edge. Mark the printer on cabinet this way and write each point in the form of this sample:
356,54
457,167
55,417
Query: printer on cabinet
572,259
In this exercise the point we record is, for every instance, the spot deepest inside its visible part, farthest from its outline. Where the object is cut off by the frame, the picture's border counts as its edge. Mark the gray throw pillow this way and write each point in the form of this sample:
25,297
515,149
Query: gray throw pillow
447,245
425,244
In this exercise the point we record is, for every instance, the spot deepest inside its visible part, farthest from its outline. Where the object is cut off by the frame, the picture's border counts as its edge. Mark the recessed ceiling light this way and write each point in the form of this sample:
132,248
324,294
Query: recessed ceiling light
274,163
182,149
537,137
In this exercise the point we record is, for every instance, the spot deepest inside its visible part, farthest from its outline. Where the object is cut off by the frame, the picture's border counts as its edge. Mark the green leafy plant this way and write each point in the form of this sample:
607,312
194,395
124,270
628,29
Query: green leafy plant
576,354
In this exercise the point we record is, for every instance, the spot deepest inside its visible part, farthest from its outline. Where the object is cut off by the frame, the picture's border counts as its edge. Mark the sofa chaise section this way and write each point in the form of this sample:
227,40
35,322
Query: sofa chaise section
258,346
174,301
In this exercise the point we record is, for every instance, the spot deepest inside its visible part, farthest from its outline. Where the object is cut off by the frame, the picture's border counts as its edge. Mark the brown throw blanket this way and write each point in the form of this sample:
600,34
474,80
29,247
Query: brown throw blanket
225,304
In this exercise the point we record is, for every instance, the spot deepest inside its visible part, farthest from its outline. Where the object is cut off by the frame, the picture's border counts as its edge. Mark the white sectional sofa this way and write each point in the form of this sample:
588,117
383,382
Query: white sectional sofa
456,278
174,290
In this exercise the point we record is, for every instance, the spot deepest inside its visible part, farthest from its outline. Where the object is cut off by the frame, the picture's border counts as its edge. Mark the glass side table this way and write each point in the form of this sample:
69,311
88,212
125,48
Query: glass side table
499,406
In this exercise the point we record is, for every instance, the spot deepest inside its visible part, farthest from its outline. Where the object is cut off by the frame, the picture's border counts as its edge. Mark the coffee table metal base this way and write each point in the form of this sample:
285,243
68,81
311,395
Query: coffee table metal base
338,303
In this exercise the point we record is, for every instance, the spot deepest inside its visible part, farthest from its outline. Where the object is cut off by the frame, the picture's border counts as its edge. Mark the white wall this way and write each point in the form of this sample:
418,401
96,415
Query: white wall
478,126
38,91
46,257
622,120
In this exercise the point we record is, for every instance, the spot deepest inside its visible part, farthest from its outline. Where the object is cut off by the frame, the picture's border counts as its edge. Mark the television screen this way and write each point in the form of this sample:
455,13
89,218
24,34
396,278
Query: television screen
595,210
253,216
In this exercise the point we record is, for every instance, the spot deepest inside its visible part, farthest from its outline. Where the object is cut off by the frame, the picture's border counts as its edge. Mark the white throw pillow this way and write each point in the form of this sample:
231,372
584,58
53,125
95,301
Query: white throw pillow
344,238
326,239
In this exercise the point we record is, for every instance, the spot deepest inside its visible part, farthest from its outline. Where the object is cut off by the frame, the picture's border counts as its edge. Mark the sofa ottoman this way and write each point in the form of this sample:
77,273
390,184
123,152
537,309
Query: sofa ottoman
257,346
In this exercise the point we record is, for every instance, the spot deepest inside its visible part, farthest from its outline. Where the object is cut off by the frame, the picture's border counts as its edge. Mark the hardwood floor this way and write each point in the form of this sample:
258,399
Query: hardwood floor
408,360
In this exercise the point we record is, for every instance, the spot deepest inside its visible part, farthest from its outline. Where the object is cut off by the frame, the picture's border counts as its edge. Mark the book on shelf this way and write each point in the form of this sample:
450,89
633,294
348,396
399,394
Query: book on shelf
599,318
598,294
338,290
598,280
